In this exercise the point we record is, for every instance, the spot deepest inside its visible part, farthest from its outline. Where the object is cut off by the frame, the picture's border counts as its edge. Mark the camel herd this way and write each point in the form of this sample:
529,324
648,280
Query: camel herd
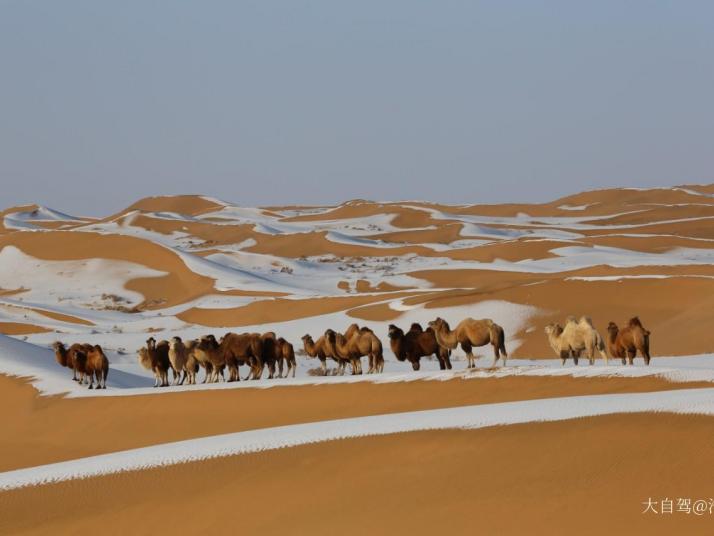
216,357
579,338
222,358
87,362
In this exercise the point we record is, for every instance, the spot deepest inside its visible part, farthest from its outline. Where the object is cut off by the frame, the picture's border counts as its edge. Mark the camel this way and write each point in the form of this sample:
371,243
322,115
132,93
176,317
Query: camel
470,333
416,344
178,357
191,367
626,342
74,357
575,339
271,352
362,342
155,357
341,358
286,356
233,350
320,350
201,356
97,366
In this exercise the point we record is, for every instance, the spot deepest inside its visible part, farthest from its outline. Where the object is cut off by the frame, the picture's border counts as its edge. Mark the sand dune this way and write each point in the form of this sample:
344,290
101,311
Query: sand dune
505,480
317,257
188,265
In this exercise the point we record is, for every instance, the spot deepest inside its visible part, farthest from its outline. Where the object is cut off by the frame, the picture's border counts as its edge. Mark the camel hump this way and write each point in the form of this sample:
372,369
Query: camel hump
586,320
635,322
571,318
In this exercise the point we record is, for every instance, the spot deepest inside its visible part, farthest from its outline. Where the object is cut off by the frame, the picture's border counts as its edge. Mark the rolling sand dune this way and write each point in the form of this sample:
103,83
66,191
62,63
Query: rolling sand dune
189,265
587,476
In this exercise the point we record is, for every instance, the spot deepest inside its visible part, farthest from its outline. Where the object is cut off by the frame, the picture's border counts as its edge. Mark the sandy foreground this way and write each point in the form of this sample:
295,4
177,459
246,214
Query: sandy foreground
587,476
43,430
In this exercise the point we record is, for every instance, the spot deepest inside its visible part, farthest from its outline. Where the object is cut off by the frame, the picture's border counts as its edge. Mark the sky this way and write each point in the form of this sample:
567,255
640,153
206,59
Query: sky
313,102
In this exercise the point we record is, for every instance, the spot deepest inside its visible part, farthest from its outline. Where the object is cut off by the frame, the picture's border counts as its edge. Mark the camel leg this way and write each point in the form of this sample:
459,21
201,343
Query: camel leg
496,355
472,360
466,347
646,355
631,354
90,381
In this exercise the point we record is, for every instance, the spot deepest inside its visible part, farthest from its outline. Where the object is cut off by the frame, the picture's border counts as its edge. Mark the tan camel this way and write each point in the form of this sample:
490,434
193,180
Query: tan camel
626,342
363,342
576,339
416,344
470,333
191,367
319,350
178,357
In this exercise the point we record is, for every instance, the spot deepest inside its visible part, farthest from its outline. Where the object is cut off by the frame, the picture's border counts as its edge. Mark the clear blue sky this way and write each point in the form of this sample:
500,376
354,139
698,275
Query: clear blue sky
267,102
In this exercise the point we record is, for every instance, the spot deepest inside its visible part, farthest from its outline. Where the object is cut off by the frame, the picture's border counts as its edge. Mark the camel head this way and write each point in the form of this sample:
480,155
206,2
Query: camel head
438,324
175,340
60,353
554,329
395,332
306,338
151,343
612,328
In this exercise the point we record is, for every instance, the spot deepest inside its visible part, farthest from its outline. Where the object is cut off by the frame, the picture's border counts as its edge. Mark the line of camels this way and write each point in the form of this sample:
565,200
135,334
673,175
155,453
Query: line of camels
218,357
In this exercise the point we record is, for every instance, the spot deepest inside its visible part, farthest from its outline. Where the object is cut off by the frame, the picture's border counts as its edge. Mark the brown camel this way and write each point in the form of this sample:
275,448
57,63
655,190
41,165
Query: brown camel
233,350
97,366
271,352
155,357
320,350
626,342
74,357
416,344
470,333
200,354
363,342
286,356
191,367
